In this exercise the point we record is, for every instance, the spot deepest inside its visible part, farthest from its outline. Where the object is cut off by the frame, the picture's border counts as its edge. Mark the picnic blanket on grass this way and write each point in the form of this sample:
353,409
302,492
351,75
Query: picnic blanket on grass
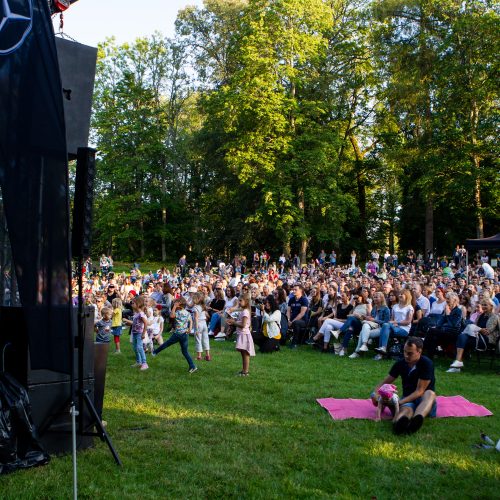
447,406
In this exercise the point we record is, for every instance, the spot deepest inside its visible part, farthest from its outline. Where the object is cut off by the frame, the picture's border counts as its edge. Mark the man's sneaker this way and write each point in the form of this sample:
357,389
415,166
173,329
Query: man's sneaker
363,348
378,357
453,370
415,424
136,365
342,352
144,366
220,335
381,350
192,370
354,355
457,364
310,342
401,425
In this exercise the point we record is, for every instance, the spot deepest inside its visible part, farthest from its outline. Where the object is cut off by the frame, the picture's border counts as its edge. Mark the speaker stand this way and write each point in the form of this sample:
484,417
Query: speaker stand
83,396
100,430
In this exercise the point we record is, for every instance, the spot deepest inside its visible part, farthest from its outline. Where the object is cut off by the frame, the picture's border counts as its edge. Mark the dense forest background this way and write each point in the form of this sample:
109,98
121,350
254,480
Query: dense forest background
297,125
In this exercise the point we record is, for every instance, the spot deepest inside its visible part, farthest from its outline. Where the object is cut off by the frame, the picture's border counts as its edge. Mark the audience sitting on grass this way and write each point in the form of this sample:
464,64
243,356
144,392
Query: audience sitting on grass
479,335
353,323
372,323
399,325
324,300
448,326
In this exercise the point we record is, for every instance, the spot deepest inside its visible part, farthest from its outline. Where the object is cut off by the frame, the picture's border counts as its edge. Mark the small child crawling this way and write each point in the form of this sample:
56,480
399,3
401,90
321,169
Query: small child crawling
387,397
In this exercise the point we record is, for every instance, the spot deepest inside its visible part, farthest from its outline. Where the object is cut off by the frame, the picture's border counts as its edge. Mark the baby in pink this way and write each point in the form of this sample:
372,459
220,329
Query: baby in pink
387,397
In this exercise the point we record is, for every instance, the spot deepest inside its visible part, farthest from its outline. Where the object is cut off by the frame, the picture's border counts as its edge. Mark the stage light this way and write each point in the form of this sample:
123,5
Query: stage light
57,6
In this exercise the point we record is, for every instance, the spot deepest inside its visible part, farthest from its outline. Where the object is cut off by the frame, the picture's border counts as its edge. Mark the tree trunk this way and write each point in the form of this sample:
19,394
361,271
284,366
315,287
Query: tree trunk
141,226
286,247
476,160
163,241
303,250
429,227
391,237
304,239
477,202
362,209
361,188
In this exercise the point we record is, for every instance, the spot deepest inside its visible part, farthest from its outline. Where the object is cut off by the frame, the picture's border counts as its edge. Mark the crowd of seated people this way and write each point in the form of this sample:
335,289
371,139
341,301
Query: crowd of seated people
321,305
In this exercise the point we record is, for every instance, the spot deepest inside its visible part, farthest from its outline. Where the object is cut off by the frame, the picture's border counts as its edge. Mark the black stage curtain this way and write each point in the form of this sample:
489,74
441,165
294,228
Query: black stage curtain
34,177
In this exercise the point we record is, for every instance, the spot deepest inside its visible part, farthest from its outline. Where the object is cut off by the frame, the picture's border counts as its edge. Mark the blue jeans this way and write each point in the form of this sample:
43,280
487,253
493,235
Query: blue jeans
385,333
140,355
182,339
351,327
414,404
215,321
465,341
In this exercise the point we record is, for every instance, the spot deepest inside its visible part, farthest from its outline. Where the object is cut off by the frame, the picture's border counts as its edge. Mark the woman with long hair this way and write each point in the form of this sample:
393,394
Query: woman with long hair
400,323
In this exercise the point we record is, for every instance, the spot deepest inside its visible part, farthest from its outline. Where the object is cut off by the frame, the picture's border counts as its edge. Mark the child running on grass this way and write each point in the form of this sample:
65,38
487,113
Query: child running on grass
183,325
116,324
244,341
200,327
138,330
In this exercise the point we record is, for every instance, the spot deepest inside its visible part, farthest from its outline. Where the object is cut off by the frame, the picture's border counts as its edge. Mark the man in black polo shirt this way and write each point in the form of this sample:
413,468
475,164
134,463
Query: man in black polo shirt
419,398
297,314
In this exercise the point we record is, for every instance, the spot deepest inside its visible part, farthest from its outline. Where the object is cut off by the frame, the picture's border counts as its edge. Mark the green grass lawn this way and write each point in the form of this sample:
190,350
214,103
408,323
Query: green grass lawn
215,435
145,267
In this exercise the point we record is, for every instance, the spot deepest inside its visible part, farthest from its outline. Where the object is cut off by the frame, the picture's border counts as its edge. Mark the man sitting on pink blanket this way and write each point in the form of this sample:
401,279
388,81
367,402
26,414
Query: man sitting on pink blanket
419,398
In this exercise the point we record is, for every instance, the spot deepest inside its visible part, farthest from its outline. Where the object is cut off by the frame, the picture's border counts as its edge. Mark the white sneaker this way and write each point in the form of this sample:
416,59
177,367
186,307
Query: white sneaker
341,352
363,348
220,335
453,370
457,364
354,355
378,357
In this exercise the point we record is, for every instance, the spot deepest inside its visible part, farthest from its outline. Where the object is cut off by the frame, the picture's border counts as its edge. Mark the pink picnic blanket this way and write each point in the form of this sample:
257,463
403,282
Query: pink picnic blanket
447,406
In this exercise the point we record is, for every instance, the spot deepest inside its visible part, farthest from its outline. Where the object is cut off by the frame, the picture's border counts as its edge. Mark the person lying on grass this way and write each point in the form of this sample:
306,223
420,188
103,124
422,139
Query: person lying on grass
419,398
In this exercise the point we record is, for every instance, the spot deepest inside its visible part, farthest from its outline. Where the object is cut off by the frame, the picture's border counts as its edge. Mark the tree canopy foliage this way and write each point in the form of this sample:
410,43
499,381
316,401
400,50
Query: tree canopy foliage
297,125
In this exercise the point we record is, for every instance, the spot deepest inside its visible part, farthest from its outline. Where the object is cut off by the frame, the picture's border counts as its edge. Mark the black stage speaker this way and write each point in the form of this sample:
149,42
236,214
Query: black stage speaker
49,391
77,64
81,232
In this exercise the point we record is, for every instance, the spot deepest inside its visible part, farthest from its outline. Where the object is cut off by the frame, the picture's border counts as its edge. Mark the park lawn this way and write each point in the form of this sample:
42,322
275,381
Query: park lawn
145,267
215,435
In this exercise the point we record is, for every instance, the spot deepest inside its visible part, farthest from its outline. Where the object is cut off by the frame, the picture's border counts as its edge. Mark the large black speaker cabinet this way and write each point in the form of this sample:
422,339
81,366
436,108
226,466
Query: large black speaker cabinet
81,233
77,65
50,409
49,391
13,331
